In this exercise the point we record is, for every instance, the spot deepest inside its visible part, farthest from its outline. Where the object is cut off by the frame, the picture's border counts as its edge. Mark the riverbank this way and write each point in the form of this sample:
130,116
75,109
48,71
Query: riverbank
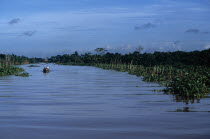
10,71
186,82
184,74
189,82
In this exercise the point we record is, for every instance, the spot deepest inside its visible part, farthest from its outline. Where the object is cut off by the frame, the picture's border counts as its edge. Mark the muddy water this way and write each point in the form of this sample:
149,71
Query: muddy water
90,103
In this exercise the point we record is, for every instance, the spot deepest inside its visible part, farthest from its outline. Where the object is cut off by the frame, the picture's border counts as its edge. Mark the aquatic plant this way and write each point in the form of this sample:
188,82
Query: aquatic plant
7,63
24,74
10,71
189,82
185,74
33,66
190,85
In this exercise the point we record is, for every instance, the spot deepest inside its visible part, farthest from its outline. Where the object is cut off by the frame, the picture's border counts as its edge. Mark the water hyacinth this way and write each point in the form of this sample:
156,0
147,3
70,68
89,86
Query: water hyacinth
24,74
189,82
191,85
185,74
10,71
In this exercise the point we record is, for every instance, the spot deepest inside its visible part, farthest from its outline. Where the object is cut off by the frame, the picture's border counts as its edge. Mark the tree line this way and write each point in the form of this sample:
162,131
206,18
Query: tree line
177,58
102,56
7,60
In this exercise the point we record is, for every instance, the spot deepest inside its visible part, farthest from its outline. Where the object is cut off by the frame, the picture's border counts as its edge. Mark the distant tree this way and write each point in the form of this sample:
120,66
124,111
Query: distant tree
76,53
100,51
139,49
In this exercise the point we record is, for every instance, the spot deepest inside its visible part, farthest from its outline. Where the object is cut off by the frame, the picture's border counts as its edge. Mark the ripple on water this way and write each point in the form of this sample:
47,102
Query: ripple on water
87,102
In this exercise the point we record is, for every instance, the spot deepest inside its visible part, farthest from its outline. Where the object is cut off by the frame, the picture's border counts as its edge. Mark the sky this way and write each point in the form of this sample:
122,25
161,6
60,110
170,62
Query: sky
42,28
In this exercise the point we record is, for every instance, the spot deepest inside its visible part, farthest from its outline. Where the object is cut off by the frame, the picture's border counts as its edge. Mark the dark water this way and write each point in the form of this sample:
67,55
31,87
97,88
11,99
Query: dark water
73,102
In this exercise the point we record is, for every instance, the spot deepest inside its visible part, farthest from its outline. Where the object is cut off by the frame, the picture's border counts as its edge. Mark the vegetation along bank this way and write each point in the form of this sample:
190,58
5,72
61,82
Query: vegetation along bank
7,63
184,74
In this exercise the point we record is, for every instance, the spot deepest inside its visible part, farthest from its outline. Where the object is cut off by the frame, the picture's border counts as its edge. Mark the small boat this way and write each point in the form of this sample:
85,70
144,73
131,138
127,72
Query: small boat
46,69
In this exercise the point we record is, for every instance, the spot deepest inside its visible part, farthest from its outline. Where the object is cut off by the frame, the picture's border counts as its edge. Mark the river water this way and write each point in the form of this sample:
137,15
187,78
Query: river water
74,102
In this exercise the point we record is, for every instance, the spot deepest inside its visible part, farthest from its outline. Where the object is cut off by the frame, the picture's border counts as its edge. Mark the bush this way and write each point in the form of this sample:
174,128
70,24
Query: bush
191,85
24,74
10,71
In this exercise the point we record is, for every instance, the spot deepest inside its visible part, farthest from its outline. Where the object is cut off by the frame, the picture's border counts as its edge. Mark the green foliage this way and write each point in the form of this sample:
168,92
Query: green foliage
188,82
190,85
7,62
178,58
33,66
100,51
10,71
10,60
24,74
185,74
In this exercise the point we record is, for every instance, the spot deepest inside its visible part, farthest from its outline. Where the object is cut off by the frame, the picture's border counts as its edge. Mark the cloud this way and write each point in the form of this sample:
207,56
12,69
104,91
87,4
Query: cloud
121,49
195,31
176,42
14,21
207,46
29,33
205,32
145,26
80,28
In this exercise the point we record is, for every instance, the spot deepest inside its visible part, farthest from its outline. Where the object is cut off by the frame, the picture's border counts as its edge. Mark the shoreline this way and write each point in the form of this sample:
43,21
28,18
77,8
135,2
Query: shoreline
185,82
10,71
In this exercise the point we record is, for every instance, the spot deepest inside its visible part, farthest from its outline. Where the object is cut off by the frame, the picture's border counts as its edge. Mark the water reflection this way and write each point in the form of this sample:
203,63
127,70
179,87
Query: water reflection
186,100
187,109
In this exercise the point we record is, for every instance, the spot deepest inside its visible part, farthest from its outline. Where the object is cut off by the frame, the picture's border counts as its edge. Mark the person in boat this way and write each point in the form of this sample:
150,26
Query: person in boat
46,69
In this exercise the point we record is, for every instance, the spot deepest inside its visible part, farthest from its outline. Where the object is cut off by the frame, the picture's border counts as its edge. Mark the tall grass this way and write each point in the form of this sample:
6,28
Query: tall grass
6,65
187,82
10,71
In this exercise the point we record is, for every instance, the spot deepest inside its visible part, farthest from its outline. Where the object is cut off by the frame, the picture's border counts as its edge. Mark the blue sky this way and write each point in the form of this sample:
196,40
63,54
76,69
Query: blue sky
50,27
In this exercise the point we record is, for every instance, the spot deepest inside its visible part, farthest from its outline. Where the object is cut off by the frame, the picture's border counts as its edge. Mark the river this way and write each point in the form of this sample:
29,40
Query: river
79,102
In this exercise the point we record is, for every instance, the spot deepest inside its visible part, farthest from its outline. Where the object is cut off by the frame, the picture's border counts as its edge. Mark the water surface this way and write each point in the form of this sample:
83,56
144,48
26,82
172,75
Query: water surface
91,103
